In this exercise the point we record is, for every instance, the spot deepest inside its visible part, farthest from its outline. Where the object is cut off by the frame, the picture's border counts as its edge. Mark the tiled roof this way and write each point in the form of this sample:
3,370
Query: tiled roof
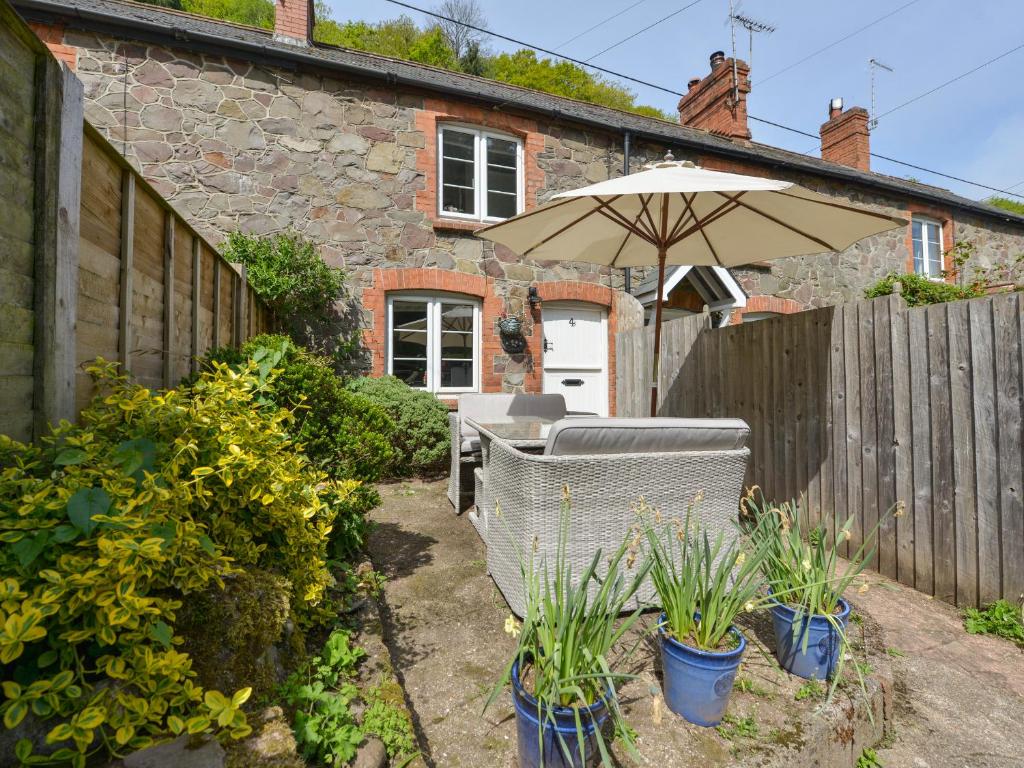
153,23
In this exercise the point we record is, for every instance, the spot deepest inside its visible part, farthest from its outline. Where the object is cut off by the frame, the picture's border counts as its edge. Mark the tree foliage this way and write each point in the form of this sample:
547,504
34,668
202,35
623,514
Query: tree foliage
287,271
447,45
255,13
459,33
1014,206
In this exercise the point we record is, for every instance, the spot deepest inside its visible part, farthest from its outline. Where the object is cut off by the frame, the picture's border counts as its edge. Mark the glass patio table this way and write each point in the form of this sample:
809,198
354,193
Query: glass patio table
529,433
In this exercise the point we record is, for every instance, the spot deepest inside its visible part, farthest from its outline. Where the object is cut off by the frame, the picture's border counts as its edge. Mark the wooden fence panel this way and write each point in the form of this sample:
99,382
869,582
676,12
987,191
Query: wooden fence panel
18,89
871,406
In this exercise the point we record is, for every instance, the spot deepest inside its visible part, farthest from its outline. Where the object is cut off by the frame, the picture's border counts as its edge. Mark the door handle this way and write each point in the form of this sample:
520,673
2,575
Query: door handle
572,382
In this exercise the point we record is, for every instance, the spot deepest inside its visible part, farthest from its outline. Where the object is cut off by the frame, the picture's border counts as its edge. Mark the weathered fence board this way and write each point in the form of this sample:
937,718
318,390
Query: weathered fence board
93,262
869,406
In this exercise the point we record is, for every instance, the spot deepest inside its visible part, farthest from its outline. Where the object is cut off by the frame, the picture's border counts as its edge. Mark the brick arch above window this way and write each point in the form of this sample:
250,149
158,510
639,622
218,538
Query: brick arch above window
437,112
945,219
385,281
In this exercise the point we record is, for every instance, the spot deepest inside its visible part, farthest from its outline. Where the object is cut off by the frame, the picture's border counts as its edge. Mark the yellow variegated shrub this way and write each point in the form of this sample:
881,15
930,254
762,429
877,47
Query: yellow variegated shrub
106,527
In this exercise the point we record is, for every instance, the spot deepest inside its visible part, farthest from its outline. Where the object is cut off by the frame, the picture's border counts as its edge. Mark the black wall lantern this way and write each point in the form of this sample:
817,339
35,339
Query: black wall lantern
533,296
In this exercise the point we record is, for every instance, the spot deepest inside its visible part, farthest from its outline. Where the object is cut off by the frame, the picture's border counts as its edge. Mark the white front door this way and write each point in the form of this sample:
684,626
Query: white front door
576,355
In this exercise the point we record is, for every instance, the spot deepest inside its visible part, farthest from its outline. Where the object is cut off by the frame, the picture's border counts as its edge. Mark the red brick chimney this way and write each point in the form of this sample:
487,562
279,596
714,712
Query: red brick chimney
293,21
713,104
845,138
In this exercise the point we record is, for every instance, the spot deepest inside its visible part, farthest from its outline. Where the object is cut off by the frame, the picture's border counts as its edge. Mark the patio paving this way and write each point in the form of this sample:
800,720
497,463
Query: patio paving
959,697
444,619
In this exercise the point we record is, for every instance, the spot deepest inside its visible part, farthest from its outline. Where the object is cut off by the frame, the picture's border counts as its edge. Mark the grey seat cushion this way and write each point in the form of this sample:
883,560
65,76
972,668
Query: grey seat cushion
581,437
501,406
470,444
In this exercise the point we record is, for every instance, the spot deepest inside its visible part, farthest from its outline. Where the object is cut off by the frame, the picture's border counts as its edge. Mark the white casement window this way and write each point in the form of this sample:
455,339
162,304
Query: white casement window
926,235
480,174
434,342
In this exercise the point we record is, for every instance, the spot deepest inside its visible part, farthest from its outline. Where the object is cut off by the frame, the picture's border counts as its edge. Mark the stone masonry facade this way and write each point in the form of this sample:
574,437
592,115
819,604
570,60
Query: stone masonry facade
236,144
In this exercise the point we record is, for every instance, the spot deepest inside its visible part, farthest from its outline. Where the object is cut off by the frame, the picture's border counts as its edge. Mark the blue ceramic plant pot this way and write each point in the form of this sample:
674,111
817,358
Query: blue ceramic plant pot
546,750
818,661
698,683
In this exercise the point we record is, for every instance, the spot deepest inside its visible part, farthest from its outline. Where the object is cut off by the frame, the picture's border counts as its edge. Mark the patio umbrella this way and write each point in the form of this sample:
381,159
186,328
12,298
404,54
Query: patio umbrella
680,214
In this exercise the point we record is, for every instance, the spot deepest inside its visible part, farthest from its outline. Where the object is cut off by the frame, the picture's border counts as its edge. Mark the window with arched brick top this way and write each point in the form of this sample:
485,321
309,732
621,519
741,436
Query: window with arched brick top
433,341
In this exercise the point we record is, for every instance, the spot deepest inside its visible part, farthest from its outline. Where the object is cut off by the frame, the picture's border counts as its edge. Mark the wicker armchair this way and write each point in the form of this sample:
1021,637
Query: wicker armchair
605,487
499,406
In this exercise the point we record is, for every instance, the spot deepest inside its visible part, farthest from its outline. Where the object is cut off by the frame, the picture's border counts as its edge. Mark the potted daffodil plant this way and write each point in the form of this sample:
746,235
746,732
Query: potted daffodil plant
564,685
807,582
703,585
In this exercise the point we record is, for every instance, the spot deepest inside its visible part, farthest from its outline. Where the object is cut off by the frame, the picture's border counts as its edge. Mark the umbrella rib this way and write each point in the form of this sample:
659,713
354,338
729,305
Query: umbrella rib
606,210
682,216
542,209
791,228
653,231
727,207
553,235
840,206
622,245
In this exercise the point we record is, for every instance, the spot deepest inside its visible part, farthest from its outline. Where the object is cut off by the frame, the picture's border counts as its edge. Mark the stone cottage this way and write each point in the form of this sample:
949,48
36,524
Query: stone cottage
390,166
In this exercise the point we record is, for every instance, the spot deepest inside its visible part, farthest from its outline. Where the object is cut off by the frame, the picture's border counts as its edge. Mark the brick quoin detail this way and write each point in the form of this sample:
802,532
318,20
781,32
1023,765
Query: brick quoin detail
945,218
53,36
437,111
477,286
767,304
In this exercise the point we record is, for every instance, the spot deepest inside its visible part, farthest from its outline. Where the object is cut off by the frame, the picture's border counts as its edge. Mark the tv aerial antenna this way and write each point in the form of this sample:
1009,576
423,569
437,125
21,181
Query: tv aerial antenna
752,26
874,65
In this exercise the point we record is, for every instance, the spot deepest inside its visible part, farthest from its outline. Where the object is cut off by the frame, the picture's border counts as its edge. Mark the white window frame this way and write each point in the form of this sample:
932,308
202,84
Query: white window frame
926,260
434,302
480,137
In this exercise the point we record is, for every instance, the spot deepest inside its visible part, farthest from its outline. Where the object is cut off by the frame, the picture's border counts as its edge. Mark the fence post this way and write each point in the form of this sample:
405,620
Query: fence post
58,193
127,250
196,298
168,299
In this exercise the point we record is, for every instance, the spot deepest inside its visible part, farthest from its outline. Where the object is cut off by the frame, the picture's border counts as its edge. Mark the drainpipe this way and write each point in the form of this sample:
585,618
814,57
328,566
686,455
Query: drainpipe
627,272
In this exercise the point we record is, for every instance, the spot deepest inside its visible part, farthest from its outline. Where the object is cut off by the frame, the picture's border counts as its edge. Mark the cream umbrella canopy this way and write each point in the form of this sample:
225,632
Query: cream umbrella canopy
680,214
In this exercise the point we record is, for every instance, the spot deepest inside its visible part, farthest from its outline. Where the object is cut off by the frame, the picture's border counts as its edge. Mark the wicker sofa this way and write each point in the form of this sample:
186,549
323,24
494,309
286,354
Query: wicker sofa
495,407
607,465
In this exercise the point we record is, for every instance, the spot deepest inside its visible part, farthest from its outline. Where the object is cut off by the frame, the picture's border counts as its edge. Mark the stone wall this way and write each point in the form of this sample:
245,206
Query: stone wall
236,145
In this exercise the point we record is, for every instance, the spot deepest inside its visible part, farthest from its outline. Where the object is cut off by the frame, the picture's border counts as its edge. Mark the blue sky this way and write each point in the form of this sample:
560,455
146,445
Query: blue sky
973,128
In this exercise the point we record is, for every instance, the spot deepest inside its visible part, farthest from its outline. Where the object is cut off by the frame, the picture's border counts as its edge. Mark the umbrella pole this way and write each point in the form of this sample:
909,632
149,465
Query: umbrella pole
657,331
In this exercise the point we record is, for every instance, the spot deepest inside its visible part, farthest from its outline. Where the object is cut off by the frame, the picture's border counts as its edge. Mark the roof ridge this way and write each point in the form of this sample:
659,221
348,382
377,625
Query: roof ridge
501,93
189,15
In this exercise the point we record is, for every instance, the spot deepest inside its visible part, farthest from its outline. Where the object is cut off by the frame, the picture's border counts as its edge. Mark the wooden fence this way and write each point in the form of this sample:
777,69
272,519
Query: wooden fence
857,407
151,292
93,262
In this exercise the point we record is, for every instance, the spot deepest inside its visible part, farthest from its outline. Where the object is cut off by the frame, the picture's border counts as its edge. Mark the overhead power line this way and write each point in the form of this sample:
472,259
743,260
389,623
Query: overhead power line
677,93
834,43
894,160
601,23
537,48
961,76
662,20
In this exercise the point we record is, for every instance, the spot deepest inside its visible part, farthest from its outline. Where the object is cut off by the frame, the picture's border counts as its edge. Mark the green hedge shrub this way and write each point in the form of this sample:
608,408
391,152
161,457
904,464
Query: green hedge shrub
918,290
108,526
422,436
347,435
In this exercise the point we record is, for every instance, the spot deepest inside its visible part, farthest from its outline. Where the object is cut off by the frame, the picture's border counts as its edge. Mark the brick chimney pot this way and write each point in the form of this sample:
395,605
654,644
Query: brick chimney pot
845,138
293,22
709,103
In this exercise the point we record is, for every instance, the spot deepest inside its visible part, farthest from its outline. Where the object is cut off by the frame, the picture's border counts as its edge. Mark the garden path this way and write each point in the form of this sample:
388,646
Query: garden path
444,627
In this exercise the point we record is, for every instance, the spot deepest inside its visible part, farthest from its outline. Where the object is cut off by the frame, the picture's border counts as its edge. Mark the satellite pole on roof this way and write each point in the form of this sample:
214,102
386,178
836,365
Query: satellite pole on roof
873,65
